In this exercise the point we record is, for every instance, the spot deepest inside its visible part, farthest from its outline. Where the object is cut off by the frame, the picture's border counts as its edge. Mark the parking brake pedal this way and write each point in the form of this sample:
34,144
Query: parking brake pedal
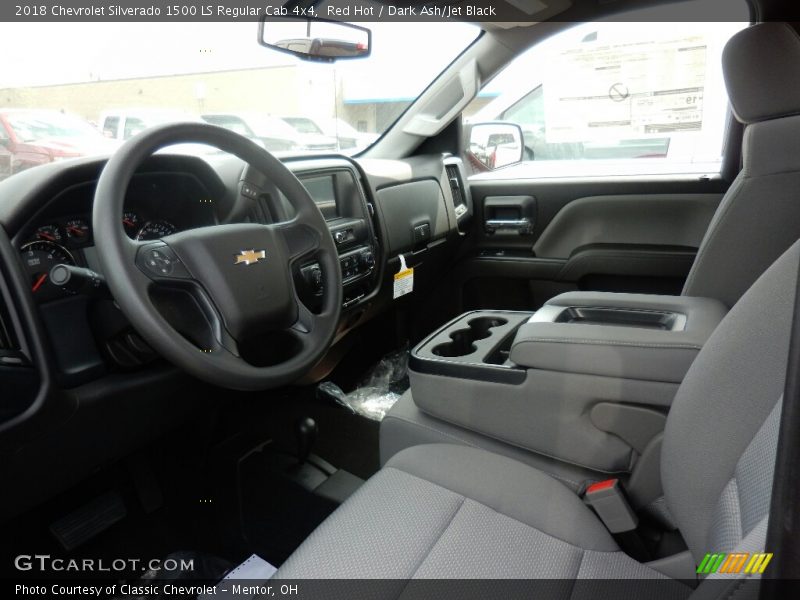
90,520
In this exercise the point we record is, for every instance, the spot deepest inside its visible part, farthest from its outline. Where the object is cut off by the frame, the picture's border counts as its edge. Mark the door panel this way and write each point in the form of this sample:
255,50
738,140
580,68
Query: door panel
633,219
625,235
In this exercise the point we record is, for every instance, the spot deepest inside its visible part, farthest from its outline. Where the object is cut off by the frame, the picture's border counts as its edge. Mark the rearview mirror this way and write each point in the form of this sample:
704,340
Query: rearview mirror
309,39
495,145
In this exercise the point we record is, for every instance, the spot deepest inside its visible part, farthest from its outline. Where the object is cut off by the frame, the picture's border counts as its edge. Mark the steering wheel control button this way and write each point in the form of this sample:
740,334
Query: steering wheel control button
159,260
249,191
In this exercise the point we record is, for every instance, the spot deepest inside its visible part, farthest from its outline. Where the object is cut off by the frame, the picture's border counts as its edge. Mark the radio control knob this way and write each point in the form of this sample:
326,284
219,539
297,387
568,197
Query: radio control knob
368,258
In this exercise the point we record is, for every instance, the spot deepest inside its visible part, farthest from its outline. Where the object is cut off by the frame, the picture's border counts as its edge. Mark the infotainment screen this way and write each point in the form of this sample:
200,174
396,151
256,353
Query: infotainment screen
323,191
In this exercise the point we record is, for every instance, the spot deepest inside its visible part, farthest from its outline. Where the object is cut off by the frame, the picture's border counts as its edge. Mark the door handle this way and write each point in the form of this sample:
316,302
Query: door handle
521,226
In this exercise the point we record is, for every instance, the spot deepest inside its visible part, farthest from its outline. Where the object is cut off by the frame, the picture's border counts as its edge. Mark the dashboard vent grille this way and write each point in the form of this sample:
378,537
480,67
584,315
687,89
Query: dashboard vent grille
455,184
457,189
5,337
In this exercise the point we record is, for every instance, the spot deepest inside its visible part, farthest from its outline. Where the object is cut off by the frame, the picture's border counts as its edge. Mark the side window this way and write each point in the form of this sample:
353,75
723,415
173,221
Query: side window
615,99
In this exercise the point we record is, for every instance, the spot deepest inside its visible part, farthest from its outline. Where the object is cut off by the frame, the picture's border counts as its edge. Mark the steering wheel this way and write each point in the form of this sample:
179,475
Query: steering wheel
237,277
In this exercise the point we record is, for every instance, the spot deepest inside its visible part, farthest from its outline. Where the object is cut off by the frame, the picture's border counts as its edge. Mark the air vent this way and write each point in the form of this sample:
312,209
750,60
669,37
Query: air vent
456,187
5,337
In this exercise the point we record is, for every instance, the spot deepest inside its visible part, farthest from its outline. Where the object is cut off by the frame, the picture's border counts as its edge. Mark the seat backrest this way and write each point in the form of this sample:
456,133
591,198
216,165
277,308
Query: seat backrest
759,217
721,436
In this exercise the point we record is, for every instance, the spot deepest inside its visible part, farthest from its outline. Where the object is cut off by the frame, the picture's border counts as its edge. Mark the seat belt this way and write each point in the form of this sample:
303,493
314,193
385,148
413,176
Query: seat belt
609,502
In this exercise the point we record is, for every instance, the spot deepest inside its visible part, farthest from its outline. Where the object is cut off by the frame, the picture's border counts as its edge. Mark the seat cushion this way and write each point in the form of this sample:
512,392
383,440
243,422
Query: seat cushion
449,511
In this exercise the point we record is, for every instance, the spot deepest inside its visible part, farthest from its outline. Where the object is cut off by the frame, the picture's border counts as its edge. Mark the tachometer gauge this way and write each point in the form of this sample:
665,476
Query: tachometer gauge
155,230
49,233
77,230
39,258
130,221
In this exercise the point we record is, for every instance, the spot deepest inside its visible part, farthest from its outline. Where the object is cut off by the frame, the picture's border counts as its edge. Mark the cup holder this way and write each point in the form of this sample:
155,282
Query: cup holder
482,325
462,341
460,345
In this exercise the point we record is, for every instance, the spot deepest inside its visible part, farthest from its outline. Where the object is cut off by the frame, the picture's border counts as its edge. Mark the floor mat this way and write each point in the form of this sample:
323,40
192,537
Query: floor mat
277,513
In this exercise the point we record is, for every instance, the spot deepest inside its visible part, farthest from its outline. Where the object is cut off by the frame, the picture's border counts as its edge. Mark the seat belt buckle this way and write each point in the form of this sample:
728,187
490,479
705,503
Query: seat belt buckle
609,502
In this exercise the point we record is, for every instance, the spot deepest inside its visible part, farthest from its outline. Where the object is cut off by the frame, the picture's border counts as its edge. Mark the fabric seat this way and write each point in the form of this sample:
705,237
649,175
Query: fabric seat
453,511
448,511
759,217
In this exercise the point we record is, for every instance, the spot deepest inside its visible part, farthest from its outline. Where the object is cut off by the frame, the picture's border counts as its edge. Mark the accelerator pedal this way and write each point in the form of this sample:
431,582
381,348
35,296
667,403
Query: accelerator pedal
88,521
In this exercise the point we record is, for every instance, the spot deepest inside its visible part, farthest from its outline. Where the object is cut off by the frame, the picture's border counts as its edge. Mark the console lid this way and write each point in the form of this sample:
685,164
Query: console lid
630,336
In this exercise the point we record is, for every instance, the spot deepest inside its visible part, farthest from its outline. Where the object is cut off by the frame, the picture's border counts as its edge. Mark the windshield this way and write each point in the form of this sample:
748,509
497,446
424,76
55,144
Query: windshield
30,126
303,125
113,80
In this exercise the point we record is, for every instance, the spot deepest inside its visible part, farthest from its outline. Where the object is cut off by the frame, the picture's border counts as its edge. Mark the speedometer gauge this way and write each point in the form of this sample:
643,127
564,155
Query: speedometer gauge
39,258
155,230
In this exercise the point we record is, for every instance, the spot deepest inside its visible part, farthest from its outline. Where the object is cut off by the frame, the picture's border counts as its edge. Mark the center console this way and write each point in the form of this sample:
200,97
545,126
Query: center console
587,379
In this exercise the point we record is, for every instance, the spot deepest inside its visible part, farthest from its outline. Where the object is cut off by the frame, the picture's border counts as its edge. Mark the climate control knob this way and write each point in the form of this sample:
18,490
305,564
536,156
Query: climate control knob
367,259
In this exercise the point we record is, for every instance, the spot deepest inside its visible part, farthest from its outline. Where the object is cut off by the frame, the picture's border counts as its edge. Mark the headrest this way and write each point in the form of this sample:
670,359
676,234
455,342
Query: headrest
761,65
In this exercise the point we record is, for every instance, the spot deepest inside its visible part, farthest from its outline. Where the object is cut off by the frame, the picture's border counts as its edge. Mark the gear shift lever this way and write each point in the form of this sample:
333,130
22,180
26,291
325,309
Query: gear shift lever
306,436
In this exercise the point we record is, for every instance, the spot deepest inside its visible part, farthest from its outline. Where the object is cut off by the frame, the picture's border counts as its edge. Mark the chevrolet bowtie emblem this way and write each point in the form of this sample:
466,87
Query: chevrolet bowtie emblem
250,257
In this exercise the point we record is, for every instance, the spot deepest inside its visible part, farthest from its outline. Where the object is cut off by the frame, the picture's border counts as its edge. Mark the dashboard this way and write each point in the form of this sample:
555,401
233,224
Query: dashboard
75,375
375,211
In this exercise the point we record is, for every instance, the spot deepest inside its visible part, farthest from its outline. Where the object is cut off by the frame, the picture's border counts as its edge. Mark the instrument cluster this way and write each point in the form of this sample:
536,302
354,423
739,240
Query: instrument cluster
61,242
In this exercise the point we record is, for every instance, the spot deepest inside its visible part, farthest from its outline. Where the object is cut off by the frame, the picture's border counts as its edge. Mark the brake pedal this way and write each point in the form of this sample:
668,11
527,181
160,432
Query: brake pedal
88,521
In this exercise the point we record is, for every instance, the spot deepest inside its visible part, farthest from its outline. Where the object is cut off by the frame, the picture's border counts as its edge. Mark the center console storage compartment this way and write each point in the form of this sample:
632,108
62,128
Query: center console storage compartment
636,336
623,317
587,379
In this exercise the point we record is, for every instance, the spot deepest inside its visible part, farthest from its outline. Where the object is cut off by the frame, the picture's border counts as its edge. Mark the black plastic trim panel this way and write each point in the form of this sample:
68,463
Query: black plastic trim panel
471,372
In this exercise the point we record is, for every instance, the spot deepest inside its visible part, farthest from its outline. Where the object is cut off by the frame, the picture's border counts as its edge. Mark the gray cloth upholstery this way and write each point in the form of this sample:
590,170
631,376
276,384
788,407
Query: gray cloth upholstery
427,515
405,425
728,394
759,217
449,511
761,65
619,351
